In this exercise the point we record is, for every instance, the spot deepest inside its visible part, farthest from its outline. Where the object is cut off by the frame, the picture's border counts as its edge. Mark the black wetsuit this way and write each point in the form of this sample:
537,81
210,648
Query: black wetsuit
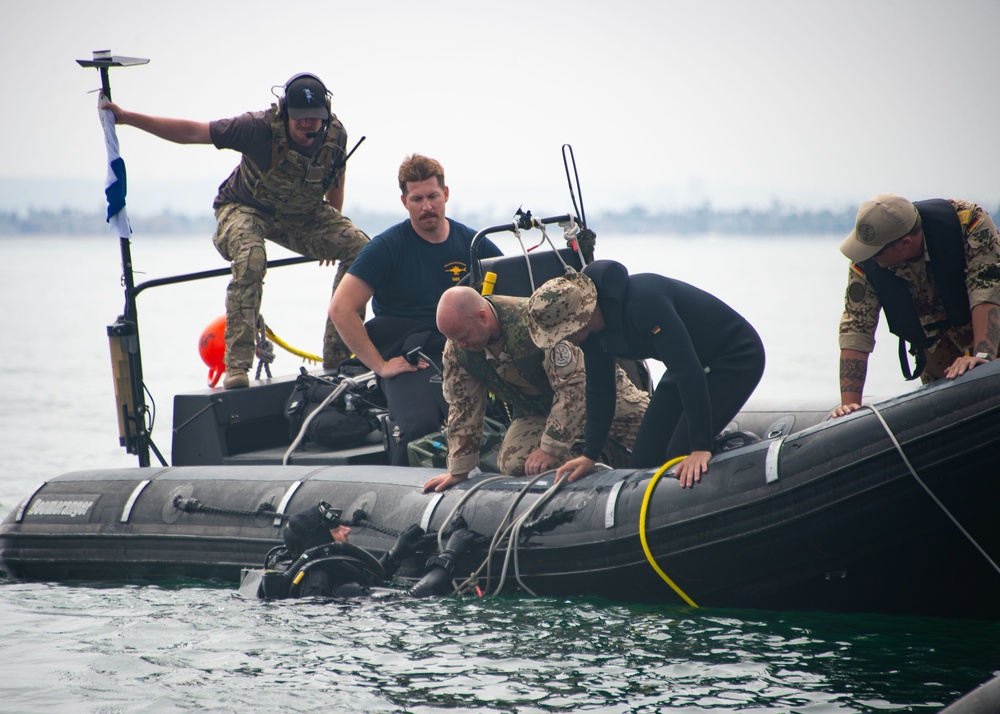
714,360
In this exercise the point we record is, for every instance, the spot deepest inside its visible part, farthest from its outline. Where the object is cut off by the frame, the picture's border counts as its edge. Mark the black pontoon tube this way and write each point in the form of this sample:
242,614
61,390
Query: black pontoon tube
913,472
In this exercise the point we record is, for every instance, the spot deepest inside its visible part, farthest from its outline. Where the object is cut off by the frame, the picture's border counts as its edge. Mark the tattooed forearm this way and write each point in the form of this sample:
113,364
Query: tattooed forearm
852,375
989,343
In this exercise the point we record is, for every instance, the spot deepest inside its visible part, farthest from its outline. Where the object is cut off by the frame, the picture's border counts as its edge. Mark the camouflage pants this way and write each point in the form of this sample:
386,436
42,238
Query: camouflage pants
325,234
524,435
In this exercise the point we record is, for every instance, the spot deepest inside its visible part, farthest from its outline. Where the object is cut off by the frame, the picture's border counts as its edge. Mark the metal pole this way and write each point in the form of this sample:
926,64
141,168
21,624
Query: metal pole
135,435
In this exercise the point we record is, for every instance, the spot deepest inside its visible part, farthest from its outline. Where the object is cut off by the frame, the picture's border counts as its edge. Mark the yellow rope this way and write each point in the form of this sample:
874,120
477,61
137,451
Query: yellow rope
642,529
285,346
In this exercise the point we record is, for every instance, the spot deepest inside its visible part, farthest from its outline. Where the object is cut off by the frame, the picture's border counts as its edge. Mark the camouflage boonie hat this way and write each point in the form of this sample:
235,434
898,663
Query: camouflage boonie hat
560,308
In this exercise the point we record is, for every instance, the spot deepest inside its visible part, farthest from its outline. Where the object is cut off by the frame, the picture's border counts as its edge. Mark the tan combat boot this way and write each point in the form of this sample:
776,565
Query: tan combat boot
236,379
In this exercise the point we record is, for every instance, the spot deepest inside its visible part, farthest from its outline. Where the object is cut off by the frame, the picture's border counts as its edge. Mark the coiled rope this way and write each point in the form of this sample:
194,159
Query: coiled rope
511,533
265,339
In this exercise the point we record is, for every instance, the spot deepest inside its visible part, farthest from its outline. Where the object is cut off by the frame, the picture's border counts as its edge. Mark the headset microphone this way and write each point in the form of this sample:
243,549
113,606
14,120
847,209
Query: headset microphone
312,134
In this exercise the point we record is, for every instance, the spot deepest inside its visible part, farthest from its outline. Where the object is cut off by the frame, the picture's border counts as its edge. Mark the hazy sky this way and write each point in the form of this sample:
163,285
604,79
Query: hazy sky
666,103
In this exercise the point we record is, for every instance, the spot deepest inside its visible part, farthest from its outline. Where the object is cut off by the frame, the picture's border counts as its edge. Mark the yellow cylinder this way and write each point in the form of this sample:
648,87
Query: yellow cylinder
489,282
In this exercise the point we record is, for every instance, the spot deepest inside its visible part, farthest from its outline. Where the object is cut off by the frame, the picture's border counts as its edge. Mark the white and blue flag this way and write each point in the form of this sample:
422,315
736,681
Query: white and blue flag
115,184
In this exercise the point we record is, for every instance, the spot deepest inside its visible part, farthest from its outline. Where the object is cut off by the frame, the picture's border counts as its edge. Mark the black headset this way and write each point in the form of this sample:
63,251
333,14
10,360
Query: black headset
327,95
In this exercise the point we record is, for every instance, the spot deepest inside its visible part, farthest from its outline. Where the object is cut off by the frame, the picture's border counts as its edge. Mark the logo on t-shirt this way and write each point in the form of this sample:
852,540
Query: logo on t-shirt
457,269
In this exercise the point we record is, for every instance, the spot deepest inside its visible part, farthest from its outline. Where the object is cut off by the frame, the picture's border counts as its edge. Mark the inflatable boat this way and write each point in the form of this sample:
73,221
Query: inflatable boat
890,509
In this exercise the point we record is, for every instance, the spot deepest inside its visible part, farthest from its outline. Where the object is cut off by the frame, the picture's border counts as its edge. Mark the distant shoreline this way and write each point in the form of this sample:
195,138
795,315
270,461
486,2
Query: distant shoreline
704,220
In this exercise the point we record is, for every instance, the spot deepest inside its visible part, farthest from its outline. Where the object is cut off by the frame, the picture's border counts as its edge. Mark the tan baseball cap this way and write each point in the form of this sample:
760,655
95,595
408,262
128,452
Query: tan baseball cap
880,221
560,308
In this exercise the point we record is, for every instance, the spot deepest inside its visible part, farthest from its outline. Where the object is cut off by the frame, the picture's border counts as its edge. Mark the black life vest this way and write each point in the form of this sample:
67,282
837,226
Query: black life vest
946,245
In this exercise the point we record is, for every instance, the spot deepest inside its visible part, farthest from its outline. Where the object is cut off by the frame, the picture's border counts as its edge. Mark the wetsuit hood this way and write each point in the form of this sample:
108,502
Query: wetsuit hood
611,279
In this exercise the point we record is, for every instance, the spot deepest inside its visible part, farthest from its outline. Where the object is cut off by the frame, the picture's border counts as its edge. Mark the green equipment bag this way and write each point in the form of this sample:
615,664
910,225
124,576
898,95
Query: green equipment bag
432,450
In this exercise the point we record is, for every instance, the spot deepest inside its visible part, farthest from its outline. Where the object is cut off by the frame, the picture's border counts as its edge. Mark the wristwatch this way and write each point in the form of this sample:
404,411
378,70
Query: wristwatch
984,355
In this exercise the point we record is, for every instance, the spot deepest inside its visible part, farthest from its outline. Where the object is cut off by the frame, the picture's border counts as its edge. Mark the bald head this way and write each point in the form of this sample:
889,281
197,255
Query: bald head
465,317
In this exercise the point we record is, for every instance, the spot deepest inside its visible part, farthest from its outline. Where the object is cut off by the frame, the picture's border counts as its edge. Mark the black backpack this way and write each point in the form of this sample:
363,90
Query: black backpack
347,420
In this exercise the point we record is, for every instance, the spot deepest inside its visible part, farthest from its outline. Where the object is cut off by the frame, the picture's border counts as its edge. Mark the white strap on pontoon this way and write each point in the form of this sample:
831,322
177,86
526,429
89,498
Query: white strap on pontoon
284,503
611,504
771,462
130,503
425,520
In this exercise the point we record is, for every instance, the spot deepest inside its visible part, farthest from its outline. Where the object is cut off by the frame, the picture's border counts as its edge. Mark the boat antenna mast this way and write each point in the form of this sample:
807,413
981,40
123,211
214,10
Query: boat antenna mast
587,238
134,422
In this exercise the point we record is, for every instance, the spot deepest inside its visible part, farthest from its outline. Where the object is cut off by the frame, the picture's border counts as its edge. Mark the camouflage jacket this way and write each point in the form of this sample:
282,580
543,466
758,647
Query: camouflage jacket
982,281
534,381
524,358
295,184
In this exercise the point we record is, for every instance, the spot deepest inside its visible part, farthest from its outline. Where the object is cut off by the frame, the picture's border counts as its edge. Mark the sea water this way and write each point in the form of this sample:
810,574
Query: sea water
191,646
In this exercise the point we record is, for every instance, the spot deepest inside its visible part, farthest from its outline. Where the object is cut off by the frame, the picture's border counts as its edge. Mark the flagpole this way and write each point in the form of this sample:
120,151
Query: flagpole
123,335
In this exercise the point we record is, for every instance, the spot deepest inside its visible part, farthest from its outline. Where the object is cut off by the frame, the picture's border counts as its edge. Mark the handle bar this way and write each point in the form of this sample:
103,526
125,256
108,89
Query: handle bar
522,222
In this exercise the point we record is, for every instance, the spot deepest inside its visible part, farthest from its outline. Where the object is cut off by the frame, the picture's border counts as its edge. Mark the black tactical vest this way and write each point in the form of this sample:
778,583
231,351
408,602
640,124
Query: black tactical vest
945,244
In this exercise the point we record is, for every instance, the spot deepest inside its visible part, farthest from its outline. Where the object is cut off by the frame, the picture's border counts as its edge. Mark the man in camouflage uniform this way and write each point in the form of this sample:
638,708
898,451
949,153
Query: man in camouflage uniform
288,188
933,267
489,349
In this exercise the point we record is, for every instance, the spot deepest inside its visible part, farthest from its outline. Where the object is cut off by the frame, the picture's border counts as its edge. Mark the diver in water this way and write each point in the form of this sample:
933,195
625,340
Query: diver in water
321,562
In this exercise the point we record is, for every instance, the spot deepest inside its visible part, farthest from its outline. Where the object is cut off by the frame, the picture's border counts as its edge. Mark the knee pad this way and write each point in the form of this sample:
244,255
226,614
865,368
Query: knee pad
250,265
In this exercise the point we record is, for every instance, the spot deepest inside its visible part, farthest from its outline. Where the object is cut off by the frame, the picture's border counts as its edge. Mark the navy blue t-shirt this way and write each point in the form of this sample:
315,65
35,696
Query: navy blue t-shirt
408,274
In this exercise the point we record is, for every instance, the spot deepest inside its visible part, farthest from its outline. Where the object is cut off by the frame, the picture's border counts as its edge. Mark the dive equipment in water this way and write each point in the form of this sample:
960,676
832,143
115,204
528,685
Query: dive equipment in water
440,567
406,544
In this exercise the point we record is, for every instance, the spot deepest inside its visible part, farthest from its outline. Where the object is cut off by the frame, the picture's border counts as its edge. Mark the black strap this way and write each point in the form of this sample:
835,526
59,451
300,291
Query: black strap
904,361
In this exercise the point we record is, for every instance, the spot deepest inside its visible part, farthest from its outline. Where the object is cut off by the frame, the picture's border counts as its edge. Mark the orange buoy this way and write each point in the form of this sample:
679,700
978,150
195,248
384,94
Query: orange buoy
212,348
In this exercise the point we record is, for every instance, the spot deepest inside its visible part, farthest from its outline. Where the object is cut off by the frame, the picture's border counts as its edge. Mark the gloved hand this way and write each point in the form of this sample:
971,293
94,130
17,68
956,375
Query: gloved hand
407,542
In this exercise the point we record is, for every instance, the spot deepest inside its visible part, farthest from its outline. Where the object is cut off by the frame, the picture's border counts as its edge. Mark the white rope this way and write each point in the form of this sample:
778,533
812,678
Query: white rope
546,239
524,252
499,536
571,229
923,485
500,532
510,533
461,502
515,536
